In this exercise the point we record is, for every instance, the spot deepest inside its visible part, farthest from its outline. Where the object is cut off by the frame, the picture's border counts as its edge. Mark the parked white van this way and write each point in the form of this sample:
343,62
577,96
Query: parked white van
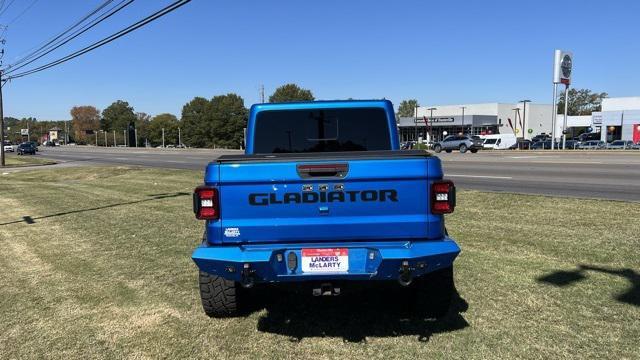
498,141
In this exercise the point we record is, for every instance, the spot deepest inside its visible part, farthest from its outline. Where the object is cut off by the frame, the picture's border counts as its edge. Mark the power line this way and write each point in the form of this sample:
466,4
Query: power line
8,6
50,46
23,12
115,36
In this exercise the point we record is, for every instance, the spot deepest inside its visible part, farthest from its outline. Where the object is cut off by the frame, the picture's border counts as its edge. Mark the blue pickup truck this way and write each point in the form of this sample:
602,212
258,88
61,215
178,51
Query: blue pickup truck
323,198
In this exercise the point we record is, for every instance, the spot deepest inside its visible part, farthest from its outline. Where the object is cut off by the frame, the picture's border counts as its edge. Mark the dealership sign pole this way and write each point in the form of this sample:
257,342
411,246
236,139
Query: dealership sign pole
562,66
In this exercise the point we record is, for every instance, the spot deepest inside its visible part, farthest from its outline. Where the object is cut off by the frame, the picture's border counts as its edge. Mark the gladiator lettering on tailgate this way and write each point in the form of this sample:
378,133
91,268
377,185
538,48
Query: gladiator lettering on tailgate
325,260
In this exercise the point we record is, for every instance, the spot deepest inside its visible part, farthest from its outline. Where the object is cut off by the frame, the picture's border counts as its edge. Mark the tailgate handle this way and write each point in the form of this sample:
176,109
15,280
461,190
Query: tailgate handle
322,170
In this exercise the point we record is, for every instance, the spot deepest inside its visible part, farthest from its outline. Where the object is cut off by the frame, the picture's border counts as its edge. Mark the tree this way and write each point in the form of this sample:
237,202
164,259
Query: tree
195,127
407,108
85,120
290,93
118,116
169,123
581,102
229,118
142,127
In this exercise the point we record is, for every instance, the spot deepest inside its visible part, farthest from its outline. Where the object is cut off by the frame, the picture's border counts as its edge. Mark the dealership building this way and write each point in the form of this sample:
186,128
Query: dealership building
476,119
618,120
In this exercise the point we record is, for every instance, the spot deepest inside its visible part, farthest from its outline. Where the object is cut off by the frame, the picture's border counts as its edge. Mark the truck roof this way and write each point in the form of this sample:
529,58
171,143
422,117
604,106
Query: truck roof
322,104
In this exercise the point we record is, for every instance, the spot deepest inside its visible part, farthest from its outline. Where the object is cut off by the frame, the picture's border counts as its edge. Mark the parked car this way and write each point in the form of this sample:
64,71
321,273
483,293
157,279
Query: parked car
571,144
541,137
541,145
35,145
636,146
620,145
589,136
593,145
522,144
26,148
8,147
458,142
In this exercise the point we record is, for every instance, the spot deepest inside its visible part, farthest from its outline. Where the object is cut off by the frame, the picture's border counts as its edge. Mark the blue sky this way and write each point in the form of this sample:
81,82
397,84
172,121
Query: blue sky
440,52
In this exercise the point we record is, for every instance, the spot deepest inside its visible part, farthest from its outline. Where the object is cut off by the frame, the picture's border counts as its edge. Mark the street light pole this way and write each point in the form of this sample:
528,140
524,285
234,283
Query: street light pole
524,117
105,138
114,139
124,134
415,121
96,139
564,122
553,116
463,107
431,119
179,137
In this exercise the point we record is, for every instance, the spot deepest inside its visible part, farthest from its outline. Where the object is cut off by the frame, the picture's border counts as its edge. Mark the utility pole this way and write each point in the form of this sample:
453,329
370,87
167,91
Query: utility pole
96,138
114,139
124,134
163,138
2,163
179,137
262,93
105,138
135,131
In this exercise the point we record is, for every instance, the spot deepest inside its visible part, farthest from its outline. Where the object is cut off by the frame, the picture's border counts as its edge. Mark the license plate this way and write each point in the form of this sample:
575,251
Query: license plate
325,260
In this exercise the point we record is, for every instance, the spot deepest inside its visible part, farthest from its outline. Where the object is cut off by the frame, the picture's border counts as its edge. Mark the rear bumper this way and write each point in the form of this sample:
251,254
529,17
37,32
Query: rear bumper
367,260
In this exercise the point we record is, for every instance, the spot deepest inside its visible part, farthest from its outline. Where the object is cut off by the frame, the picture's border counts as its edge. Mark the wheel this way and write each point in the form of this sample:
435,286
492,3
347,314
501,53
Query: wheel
219,296
473,151
434,292
448,150
463,148
437,148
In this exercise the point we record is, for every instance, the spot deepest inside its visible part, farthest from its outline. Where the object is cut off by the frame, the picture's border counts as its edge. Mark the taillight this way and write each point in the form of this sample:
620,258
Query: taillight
443,197
205,203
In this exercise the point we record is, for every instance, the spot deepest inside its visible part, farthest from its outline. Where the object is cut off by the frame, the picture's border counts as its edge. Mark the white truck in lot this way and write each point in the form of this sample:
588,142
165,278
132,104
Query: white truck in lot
498,141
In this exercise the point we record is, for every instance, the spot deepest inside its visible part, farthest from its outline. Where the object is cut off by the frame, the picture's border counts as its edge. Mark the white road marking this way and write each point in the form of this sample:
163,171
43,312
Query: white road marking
566,162
479,176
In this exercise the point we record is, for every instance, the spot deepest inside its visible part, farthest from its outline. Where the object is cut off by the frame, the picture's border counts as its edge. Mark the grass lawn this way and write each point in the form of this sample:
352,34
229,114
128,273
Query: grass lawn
26,160
95,263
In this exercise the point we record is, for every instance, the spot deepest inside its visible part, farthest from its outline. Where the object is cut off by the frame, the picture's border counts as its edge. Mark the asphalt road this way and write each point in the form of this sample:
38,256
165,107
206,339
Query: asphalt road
603,174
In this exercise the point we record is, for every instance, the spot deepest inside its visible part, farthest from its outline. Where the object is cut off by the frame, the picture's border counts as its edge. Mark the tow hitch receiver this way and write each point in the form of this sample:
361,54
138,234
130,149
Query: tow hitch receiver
406,277
247,276
326,289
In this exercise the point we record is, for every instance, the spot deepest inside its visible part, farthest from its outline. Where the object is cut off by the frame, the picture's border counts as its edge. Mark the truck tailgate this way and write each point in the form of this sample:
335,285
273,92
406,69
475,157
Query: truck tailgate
289,201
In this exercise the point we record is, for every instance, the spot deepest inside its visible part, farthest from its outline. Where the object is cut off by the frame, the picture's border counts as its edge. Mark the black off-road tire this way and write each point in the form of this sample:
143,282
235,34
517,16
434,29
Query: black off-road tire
220,297
434,292
437,148
463,148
